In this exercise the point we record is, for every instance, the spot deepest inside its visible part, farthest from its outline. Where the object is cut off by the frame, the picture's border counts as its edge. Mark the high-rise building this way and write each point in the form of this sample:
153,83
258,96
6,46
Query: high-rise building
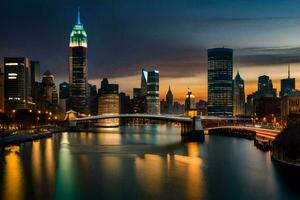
49,95
35,71
250,104
93,97
108,103
124,103
1,90
238,96
150,90
220,100
35,79
17,92
265,87
169,101
153,103
287,84
64,90
78,68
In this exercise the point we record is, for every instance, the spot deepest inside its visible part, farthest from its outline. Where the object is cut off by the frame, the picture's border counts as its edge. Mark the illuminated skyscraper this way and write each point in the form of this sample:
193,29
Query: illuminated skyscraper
220,82
78,68
17,92
238,96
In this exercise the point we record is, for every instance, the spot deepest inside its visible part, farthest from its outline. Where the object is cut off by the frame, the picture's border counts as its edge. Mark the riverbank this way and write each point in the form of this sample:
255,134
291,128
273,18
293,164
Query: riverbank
233,132
28,136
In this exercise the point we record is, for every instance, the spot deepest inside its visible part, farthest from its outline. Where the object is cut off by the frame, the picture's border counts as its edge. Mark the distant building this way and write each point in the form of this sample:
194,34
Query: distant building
49,94
137,92
190,105
290,104
64,90
220,100
108,103
266,109
78,69
287,85
163,107
201,107
35,78
238,96
17,89
169,101
178,108
124,103
250,104
93,100
265,87
1,90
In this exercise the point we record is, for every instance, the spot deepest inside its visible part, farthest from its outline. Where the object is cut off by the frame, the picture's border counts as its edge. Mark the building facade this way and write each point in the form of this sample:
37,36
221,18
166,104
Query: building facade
78,69
108,103
238,96
220,64
290,104
17,90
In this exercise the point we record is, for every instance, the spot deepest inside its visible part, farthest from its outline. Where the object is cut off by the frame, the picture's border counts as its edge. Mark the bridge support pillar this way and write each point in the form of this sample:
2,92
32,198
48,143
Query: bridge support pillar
193,131
72,125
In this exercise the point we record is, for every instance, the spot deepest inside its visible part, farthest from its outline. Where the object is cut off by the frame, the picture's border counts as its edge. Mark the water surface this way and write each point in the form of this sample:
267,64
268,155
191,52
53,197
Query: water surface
141,162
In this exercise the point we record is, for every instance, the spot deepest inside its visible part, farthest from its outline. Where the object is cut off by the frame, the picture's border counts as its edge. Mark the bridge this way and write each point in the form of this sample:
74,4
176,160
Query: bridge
191,127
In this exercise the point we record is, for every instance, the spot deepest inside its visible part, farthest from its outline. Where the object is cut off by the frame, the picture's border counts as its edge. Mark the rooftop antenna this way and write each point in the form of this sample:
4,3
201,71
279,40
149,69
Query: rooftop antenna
78,15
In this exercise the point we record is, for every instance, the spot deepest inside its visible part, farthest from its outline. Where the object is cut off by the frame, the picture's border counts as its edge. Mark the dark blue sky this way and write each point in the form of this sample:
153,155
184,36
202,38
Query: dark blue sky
170,34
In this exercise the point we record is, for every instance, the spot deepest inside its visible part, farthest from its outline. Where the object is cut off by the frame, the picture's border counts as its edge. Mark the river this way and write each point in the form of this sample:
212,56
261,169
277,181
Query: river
142,162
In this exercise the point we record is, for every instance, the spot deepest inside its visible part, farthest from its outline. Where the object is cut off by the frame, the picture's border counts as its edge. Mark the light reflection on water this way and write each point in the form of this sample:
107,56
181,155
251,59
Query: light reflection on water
138,162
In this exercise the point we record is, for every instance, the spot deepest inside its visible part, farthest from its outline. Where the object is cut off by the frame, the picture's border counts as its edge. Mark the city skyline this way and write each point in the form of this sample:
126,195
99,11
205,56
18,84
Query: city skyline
121,45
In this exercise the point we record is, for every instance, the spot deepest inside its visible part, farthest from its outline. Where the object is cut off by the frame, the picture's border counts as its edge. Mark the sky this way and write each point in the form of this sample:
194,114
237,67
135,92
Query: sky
171,36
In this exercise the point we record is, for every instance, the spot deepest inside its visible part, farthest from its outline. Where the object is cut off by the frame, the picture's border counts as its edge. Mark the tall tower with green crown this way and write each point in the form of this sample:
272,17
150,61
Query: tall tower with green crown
78,68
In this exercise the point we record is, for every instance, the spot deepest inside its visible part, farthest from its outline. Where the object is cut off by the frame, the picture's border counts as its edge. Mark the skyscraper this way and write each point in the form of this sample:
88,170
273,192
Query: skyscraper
287,84
152,98
265,87
78,68
238,96
220,100
169,101
17,80
150,90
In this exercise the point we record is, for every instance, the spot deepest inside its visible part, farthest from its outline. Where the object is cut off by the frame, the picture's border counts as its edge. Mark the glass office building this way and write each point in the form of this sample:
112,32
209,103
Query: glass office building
220,99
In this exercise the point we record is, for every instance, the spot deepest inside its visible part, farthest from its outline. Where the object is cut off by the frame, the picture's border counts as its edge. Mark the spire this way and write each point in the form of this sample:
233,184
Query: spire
289,71
169,88
78,15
